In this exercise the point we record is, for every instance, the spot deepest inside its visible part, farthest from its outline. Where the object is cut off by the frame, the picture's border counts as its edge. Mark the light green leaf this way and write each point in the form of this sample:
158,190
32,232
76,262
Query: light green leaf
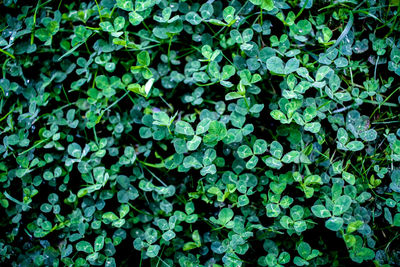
348,177
278,115
152,251
276,149
99,243
143,58
369,135
119,23
169,235
320,211
84,246
182,127
342,136
135,18
244,151
193,18
334,223
260,146
292,156
342,204
354,226
292,65
355,146
194,143
265,4
229,14
252,162
206,10
273,163
322,72
225,215
275,65
297,212
203,126
313,127
273,210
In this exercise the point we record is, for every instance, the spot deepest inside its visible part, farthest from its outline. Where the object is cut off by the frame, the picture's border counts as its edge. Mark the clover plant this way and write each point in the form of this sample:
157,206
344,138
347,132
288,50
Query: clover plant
200,133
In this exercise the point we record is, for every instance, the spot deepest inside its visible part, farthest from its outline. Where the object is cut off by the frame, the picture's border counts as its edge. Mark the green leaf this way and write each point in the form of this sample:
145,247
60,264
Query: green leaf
244,151
109,217
355,146
247,35
342,204
169,235
396,220
322,72
189,246
278,115
236,36
369,135
334,223
342,136
161,118
99,243
292,156
84,246
232,95
297,212
125,4
341,62
152,251
291,66
193,18
276,149
194,143
180,145
312,179
275,65
143,58
252,162
348,177
210,169
304,249
206,10
265,4
320,211
273,210
75,150
182,127
190,162
216,132
243,200
229,14
119,23
203,126
135,18
260,146
354,226
151,235
227,72
209,156
313,127
273,163
206,51
225,215
106,26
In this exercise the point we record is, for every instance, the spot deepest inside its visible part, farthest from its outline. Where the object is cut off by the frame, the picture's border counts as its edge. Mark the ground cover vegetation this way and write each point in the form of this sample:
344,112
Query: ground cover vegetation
199,133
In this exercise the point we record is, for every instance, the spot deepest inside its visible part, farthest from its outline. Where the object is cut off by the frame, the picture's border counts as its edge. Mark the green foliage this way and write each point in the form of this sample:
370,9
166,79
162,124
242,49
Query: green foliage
199,133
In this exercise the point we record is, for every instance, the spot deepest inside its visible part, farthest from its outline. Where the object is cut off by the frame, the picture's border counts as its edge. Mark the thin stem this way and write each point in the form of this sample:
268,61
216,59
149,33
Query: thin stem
7,53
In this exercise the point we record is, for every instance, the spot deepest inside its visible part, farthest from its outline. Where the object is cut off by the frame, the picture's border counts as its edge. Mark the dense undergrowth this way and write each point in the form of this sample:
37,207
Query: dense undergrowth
194,133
